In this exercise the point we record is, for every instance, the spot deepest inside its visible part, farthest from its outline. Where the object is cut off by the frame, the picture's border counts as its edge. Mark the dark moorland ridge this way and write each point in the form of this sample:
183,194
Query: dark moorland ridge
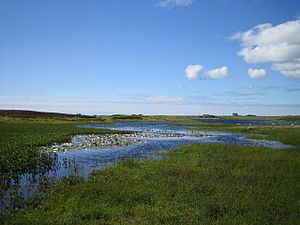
32,114
25,114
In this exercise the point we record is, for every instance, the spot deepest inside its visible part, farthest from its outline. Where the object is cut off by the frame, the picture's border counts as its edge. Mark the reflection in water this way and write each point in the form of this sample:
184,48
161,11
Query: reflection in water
82,162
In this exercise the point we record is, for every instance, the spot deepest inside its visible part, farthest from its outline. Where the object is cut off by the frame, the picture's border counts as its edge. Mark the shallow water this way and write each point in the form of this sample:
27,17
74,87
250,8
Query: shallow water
82,162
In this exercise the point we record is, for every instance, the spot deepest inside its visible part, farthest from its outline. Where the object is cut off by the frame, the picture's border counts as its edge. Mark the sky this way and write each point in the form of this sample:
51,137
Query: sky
173,57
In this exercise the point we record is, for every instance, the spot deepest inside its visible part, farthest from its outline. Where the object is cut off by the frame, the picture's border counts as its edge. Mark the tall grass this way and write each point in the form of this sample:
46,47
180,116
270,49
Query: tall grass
286,134
196,184
19,142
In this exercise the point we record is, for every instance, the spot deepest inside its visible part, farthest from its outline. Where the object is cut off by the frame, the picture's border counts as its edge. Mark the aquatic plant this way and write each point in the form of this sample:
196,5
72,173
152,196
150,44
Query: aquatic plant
19,142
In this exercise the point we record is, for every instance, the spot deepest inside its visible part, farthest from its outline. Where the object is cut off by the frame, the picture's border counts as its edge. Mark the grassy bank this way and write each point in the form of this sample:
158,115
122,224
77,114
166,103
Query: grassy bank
21,132
196,184
286,134
19,140
282,118
21,115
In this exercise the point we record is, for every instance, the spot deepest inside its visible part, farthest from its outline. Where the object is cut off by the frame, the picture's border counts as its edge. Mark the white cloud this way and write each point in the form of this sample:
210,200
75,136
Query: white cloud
279,45
218,73
172,3
289,69
192,71
257,73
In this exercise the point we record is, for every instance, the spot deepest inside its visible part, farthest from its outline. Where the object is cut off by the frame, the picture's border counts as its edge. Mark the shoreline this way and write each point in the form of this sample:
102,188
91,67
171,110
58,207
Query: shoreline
83,141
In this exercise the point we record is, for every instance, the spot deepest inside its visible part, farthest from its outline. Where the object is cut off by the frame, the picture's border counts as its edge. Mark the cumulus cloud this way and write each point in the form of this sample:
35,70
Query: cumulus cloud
279,45
172,3
256,73
289,69
218,73
192,71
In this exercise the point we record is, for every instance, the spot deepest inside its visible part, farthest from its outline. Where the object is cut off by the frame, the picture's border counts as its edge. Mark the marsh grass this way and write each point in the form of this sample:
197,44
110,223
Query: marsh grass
282,118
286,134
19,154
195,184
19,142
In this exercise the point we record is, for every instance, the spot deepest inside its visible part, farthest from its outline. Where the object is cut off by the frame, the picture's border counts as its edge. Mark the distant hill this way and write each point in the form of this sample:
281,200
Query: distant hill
34,114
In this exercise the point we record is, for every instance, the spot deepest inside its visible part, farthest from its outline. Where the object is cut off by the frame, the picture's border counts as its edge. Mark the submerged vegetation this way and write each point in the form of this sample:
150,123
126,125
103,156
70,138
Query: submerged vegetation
21,132
286,134
195,184
19,142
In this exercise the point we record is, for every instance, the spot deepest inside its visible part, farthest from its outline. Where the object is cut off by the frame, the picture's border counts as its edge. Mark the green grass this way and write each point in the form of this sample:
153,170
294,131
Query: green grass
286,134
19,141
21,132
195,184
23,115
283,118
290,118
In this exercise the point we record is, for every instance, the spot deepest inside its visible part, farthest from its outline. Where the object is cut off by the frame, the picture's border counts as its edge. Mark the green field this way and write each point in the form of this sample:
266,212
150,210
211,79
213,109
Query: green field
282,118
19,141
195,184
21,132
19,115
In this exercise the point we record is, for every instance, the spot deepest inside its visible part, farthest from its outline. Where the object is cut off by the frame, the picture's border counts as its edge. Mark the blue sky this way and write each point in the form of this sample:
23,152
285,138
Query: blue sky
151,56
